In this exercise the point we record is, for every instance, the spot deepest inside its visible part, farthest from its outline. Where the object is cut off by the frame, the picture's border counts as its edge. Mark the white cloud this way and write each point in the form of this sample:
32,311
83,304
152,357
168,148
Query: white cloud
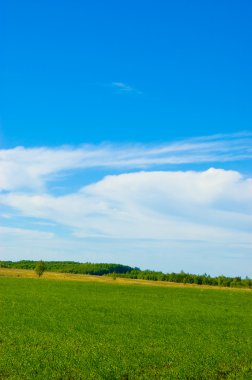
214,204
22,233
123,87
156,211
32,168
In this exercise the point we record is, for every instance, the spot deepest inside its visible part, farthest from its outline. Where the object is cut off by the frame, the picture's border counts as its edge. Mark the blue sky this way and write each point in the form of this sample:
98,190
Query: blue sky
95,96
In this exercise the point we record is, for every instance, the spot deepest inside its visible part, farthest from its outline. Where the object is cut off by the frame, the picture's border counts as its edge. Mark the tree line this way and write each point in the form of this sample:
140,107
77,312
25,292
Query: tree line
97,269
188,278
119,270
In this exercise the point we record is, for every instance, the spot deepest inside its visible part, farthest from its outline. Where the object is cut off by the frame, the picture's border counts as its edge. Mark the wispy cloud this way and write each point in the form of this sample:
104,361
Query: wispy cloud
32,168
23,233
123,87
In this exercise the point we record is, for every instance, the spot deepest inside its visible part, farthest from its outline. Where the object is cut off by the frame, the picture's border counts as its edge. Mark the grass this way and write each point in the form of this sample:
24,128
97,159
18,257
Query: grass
108,330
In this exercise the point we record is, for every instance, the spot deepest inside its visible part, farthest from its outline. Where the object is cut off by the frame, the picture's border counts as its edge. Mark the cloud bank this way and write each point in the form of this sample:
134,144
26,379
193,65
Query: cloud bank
151,211
33,167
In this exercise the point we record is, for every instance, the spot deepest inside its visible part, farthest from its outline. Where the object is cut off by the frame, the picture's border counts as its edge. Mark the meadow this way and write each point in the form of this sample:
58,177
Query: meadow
109,330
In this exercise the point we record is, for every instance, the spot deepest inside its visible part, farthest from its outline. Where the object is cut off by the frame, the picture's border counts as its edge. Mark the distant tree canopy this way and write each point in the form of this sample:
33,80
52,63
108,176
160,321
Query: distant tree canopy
118,270
98,269
187,278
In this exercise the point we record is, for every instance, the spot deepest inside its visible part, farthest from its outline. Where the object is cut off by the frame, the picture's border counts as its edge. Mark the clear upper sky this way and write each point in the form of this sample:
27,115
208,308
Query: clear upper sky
89,71
126,133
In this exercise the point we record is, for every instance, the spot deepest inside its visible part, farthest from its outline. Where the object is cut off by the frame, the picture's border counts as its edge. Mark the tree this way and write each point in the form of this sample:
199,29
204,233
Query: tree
40,268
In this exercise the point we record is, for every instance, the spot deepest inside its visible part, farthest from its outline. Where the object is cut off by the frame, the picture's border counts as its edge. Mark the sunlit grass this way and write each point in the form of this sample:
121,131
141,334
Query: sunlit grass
98,330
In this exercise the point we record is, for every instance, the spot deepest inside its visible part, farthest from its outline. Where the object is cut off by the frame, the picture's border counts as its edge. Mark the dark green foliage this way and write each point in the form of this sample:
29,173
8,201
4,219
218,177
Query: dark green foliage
98,269
101,269
187,278
40,268
52,330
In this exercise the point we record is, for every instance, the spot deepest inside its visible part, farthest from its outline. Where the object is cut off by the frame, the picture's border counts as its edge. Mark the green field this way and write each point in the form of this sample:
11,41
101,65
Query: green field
83,330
